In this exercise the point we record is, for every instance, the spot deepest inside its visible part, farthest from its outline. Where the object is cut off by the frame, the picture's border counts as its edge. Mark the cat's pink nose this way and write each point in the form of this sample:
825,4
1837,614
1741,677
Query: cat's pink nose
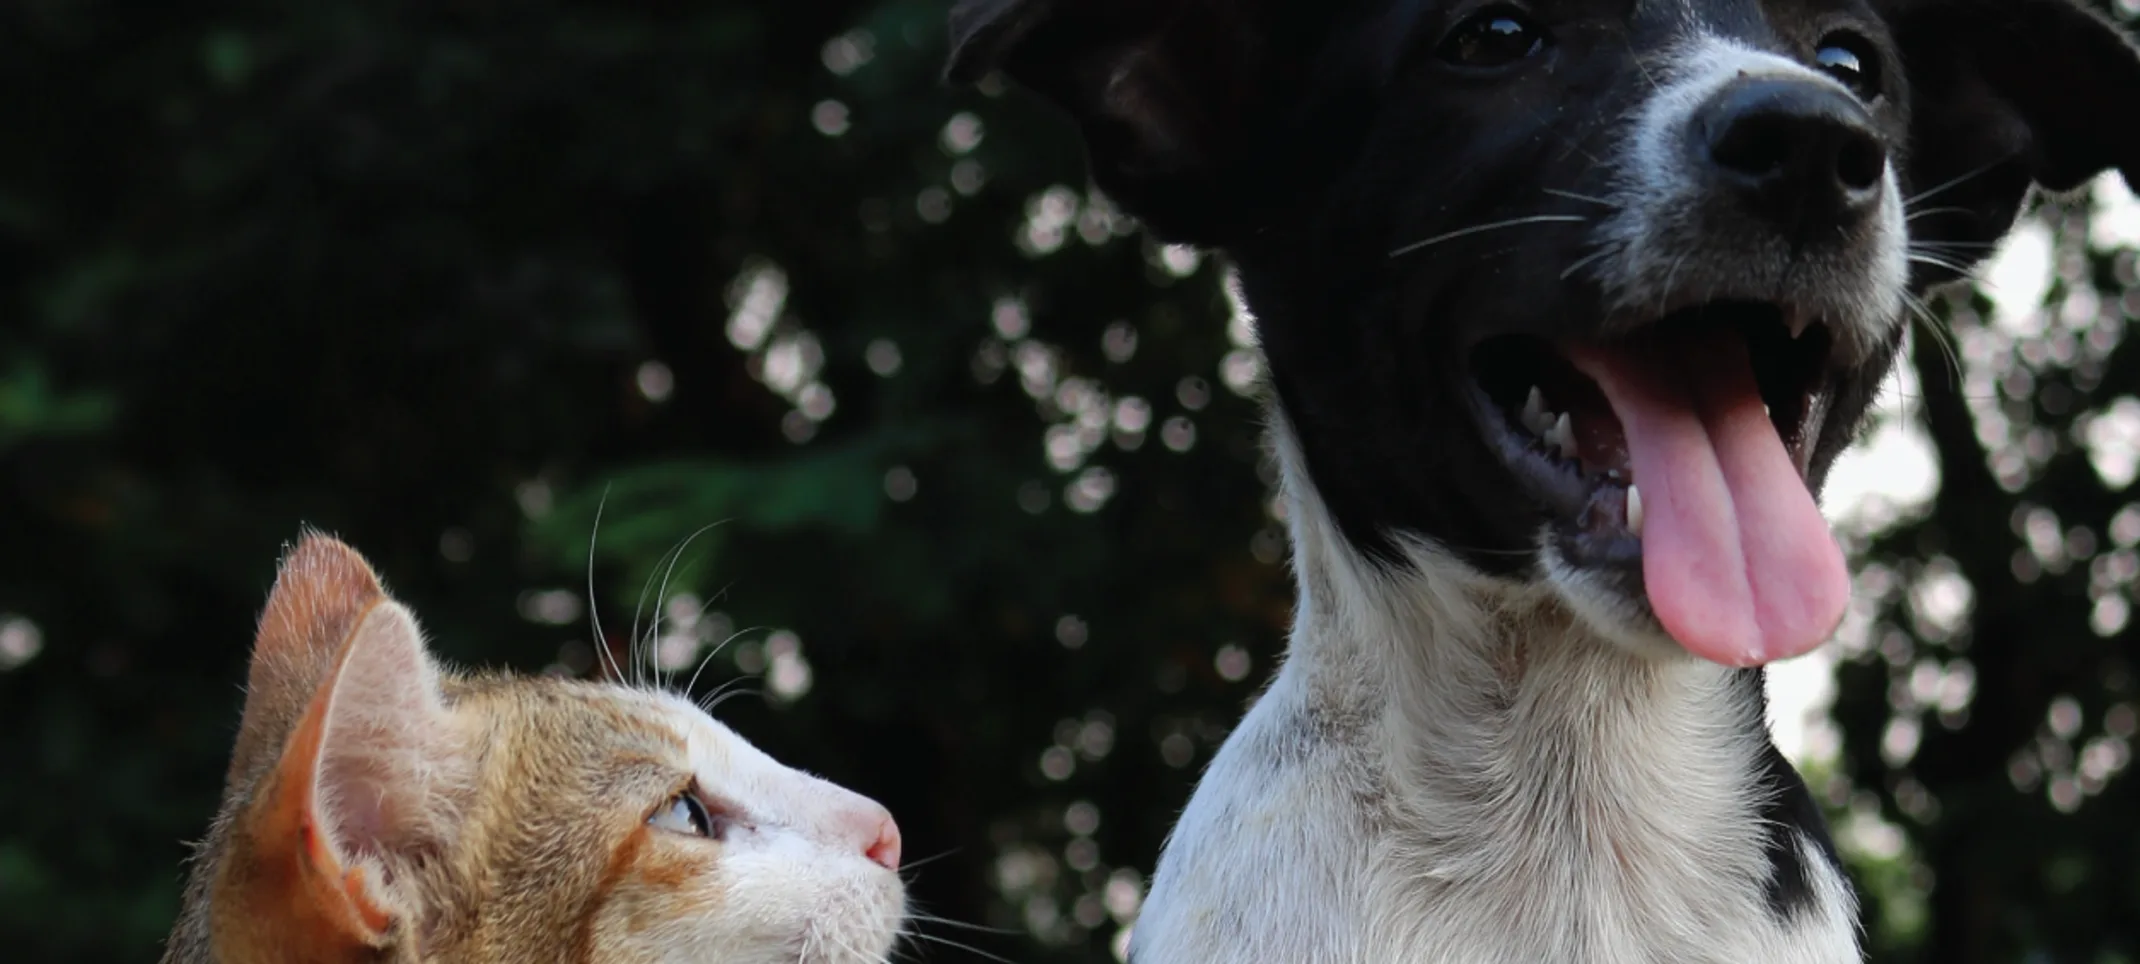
884,849
851,820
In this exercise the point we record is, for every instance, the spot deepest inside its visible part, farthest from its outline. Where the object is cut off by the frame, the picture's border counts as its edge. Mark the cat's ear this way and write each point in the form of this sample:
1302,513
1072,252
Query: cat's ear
369,779
2004,94
1172,96
322,588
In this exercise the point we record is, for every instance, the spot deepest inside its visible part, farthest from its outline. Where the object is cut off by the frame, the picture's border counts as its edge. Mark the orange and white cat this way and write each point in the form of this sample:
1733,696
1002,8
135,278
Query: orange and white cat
381,808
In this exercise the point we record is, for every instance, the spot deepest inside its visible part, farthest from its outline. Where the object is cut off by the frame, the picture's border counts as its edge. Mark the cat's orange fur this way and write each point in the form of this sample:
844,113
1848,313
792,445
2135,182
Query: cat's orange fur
382,809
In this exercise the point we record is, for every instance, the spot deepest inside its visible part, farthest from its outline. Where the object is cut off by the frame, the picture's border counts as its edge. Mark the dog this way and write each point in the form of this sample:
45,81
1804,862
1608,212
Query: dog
1567,307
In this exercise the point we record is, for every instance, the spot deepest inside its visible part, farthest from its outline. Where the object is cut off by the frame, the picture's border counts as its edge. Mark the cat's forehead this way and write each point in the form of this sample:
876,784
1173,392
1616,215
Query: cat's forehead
572,713
702,736
626,714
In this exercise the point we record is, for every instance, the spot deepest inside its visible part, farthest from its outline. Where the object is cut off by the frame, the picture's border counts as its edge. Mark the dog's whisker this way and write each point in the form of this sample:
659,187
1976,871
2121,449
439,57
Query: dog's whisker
1670,277
1483,551
1951,183
1588,259
1934,212
1977,247
1477,228
1573,196
1641,64
1930,324
1922,257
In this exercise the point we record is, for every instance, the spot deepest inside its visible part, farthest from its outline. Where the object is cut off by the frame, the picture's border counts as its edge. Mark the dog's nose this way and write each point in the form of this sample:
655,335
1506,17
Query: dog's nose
1799,154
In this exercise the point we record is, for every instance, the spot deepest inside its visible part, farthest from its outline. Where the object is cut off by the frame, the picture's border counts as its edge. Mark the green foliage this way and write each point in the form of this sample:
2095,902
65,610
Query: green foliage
987,528
29,407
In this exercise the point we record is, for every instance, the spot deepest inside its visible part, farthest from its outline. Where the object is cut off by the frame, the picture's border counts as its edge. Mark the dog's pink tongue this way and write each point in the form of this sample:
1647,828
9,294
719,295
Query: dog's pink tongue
1740,566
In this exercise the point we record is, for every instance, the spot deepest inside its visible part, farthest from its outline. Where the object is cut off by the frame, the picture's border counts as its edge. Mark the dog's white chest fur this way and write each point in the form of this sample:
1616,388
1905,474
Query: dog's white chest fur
1446,773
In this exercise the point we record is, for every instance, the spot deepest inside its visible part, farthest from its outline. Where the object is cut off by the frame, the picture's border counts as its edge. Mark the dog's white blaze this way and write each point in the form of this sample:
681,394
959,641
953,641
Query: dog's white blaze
1861,299
1406,793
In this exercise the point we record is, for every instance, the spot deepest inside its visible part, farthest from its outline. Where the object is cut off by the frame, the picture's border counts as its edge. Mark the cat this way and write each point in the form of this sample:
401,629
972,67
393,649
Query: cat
380,807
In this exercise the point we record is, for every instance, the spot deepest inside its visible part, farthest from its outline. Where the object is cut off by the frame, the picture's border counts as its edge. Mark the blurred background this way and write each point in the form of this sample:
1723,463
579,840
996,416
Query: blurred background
990,534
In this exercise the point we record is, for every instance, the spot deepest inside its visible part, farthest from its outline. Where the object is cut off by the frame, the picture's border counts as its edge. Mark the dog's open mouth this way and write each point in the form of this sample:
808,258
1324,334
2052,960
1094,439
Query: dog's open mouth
1683,449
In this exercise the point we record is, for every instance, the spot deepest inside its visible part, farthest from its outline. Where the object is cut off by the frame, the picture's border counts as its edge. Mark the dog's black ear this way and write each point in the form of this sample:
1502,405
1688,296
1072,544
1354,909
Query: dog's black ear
1172,96
2005,93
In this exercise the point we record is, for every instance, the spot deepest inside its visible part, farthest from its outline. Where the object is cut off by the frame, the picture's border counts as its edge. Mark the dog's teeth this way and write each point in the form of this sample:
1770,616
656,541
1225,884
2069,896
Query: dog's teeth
1562,436
1534,412
1634,510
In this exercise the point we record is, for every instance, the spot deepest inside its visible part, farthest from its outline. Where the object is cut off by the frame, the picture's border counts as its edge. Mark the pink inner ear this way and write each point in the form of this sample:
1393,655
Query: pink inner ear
355,803
302,891
387,763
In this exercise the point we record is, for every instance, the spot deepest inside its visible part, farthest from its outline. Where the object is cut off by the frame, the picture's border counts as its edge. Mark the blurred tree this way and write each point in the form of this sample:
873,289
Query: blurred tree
1988,702
457,280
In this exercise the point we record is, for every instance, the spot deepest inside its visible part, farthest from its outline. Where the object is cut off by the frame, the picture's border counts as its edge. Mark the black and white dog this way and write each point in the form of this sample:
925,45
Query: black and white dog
1568,306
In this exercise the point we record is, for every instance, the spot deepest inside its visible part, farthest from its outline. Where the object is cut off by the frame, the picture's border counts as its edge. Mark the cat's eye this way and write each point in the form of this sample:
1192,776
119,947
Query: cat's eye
1496,36
685,814
1851,59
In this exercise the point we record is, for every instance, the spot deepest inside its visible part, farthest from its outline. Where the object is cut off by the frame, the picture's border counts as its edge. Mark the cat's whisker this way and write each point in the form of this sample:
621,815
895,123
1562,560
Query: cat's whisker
712,652
697,617
850,952
907,865
653,633
947,942
728,691
732,694
603,656
723,688
847,951
962,925
666,564
631,653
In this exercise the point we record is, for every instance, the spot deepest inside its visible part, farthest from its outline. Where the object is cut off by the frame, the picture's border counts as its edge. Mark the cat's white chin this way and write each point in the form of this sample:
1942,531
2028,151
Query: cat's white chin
858,931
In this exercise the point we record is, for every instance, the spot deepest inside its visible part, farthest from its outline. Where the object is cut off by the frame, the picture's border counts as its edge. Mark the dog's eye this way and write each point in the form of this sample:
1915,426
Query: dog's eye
1850,59
1493,37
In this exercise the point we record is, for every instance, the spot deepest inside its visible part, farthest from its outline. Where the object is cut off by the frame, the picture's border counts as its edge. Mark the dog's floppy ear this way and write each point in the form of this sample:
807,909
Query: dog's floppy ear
2005,93
1172,96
